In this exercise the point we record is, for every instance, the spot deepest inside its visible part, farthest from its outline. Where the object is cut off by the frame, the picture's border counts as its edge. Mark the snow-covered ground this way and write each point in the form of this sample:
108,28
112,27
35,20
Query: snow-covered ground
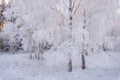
20,67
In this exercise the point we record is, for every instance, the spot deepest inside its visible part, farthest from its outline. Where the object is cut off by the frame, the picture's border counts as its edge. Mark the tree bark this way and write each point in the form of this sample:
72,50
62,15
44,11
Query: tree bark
83,62
70,65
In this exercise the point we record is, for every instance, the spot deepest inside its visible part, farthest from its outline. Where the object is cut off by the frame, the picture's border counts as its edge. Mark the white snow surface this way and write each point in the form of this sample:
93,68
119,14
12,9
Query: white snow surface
103,66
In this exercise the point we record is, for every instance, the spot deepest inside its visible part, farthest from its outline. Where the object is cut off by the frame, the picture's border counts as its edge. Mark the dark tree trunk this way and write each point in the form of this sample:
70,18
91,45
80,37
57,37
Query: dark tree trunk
83,62
70,36
104,47
70,66
39,53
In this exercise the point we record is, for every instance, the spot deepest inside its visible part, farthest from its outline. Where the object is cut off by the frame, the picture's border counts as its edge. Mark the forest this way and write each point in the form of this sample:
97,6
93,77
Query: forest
59,39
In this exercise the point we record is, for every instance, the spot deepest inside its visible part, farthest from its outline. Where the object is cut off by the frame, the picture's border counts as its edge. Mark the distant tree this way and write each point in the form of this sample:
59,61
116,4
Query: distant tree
43,42
2,17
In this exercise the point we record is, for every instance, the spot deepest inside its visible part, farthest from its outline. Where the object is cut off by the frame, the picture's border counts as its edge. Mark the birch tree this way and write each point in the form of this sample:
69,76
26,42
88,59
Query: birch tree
72,10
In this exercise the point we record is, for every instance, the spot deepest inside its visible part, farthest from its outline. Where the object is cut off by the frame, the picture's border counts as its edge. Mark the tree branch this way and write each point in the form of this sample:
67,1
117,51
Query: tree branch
73,5
76,9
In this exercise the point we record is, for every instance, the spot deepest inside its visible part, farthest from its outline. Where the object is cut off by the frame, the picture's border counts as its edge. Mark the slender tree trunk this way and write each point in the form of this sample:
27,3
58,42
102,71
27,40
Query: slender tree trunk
41,51
70,36
30,41
70,65
72,11
83,62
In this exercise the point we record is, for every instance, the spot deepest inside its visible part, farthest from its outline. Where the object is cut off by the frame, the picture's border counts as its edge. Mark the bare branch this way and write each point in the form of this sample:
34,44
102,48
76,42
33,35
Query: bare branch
73,5
76,8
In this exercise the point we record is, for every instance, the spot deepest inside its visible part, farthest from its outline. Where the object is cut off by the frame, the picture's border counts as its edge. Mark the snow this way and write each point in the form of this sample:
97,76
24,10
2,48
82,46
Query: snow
36,22
40,36
44,16
20,67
